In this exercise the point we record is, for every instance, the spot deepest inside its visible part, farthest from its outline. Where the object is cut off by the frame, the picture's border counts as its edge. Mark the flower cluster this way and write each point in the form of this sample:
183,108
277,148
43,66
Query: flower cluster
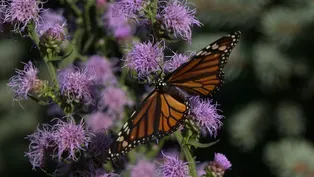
26,81
144,58
173,167
205,113
63,140
76,85
175,16
22,12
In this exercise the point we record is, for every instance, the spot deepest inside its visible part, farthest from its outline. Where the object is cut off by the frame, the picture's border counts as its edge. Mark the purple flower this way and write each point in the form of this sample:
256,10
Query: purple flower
76,85
177,17
22,12
101,68
219,165
205,113
70,138
144,58
118,23
25,81
222,161
173,167
99,143
55,32
128,8
40,142
143,168
98,120
114,99
175,61
51,20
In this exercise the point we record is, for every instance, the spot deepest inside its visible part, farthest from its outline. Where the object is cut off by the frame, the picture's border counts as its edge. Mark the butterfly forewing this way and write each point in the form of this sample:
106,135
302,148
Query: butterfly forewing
159,115
203,74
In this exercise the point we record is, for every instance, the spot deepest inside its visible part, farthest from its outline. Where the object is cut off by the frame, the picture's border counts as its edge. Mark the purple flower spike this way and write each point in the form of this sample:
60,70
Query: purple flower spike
101,68
41,141
114,99
205,113
143,168
76,85
22,12
70,138
173,167
25,81
144,58
98,120
175,61
178,18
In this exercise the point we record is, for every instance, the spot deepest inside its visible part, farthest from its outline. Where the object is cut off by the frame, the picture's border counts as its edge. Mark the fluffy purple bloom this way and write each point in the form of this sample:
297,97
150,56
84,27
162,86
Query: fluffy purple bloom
76,85
53,21
40,142
175,61
144,58
143,168
70,138
98,120
117,23
101,68
114,99
128,8
177,17
219,165
173,167
55,32
205,113
22,12
222,161
25,81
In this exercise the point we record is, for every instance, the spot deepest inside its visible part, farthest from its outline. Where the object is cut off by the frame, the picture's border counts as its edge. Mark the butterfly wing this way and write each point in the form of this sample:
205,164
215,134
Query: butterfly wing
203,74
159,115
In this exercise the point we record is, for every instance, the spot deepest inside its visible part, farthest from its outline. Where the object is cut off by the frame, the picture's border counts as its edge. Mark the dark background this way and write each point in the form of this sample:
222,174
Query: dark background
266,99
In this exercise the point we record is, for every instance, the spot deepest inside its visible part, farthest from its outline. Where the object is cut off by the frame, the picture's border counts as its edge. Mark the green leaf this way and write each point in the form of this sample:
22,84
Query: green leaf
201,145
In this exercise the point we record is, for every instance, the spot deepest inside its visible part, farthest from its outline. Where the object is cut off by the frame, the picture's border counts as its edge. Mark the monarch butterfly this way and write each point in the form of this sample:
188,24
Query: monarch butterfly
165,108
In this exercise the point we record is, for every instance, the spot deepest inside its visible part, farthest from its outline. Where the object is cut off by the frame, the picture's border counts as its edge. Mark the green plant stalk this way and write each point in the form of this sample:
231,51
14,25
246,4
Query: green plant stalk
33,35
187,154
75,9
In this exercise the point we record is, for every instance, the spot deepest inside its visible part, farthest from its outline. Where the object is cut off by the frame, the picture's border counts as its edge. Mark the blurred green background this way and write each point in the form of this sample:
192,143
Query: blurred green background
267,99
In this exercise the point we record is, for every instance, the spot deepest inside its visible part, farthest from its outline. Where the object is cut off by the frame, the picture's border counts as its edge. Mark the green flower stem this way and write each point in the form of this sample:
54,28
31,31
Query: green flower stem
33,35
51,68
87,19
75,9
187,154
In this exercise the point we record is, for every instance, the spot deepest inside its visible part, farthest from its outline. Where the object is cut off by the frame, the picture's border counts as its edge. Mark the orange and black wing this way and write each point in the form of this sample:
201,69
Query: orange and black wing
203,74
159,115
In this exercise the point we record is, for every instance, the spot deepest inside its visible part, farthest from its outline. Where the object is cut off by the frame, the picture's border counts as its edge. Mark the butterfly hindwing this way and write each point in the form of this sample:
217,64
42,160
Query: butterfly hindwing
203,74
159,115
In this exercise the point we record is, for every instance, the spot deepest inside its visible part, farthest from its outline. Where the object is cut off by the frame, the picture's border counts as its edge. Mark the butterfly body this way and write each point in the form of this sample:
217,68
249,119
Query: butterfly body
167,106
